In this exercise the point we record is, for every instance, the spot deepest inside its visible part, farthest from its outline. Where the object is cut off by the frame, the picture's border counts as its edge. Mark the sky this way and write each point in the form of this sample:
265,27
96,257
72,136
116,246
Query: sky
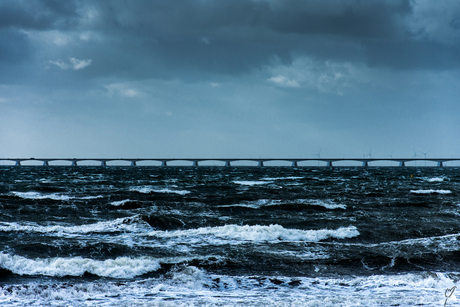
239,78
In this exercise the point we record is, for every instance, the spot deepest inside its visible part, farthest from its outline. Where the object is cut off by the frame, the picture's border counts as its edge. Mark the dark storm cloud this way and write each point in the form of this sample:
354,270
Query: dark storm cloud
17,51
237,36
39,15
354,19
165,39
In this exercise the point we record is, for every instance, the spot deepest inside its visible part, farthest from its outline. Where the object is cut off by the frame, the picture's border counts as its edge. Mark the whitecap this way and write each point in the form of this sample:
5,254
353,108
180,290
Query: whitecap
328,204
257,233
431,191
131,224
191,286
121,267
180,192
251,183
37,195
256,204
52,196
150,189
120,202
283,178
90,197
435,179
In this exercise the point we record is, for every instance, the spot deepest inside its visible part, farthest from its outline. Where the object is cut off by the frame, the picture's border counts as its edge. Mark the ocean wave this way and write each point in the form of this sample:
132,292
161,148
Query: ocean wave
328,204
272,233
408,248
120,202
252,182
131,224
150,189
431,191
435,179
37,195
122,267
257,204
52,196
283,178
193,287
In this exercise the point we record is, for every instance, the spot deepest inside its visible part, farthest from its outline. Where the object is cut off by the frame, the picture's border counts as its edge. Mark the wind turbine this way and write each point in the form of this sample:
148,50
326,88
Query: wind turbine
318,155
415,156
370,153
424,153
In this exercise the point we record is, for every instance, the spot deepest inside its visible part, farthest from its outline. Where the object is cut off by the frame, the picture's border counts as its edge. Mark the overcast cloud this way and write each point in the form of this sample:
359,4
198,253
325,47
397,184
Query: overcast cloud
239,78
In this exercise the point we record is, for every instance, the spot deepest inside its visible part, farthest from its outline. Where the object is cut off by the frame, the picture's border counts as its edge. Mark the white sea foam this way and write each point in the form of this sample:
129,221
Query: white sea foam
252,183
120,202
37,195
122,267
256,204
327,203
431,191
89,197
52,196
132,224
151,189
283,178
272,233
435,179
193,287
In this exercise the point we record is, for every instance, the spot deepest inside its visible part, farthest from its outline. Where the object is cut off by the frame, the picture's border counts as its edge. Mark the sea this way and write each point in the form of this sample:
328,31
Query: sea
229,236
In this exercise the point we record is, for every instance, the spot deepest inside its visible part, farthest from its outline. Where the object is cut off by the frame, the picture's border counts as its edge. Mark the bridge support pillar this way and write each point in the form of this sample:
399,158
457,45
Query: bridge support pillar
133,163
402,163
18,163
440,164
365,163
46,163
227,163
103,163
195,163
164,163
294,164
329,164
261,163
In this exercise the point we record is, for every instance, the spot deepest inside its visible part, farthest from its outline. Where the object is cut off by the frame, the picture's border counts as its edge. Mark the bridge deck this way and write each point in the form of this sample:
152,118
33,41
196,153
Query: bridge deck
228,161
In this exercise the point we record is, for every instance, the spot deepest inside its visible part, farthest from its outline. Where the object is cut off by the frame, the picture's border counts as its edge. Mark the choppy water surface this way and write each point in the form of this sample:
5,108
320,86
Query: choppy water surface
229,236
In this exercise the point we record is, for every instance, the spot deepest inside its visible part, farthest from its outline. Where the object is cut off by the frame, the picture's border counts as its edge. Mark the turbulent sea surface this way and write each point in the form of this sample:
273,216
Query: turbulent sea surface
229,236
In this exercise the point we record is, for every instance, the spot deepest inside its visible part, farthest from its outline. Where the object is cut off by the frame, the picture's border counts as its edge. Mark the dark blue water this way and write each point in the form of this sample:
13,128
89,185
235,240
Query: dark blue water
229,236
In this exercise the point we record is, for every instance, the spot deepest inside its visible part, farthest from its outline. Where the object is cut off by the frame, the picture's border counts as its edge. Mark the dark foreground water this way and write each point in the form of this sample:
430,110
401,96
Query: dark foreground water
229,236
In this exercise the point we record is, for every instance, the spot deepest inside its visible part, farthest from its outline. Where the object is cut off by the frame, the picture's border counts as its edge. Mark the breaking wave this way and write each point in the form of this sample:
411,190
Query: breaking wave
150,189
272,233
431,191
122,267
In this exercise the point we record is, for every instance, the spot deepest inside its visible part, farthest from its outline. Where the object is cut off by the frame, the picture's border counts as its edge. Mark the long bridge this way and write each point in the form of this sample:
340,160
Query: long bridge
329,162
